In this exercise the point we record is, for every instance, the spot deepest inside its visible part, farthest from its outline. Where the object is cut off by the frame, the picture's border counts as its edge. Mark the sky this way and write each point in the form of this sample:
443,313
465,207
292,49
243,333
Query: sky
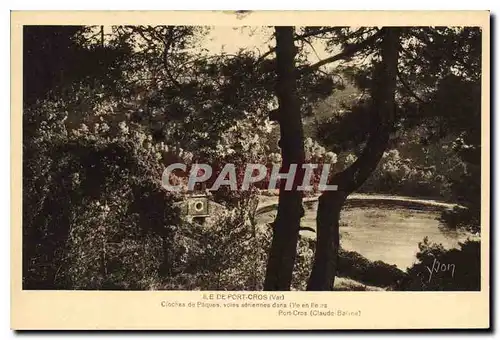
230,39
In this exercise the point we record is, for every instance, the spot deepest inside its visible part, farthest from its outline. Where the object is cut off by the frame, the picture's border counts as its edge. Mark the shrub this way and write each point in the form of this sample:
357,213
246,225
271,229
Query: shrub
94,213
229,252
355,266
225,253
403,176
454,269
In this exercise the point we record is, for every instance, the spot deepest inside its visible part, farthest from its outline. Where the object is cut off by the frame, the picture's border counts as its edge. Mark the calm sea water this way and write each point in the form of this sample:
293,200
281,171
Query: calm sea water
389,233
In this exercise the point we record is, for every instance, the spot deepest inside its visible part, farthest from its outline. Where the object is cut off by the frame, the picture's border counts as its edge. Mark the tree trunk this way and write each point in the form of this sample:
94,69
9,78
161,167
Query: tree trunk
328,240
331,202
286,226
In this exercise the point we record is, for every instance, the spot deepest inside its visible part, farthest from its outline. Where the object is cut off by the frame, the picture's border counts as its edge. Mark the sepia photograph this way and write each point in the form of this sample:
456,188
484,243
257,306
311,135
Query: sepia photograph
253,159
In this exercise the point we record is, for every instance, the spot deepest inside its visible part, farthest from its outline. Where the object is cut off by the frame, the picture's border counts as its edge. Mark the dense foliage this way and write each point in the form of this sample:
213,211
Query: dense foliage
441,269
106,109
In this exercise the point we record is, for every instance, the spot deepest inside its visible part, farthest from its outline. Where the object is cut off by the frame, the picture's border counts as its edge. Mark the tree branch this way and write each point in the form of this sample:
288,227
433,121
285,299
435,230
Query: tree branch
409,89
348,52
297,37
312,47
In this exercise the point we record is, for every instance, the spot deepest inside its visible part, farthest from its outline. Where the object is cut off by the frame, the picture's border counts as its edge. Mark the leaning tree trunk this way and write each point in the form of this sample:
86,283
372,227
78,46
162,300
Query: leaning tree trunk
286,225
331,202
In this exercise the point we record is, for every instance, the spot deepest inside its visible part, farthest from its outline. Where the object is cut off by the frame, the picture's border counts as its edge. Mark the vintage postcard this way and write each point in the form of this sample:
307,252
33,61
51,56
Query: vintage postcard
250,170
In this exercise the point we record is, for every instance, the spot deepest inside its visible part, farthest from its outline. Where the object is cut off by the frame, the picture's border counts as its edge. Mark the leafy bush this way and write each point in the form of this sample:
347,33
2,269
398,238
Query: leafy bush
94,213
454,269
378,273
224,253
96,217
463,218
229,252
303,263
404,176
